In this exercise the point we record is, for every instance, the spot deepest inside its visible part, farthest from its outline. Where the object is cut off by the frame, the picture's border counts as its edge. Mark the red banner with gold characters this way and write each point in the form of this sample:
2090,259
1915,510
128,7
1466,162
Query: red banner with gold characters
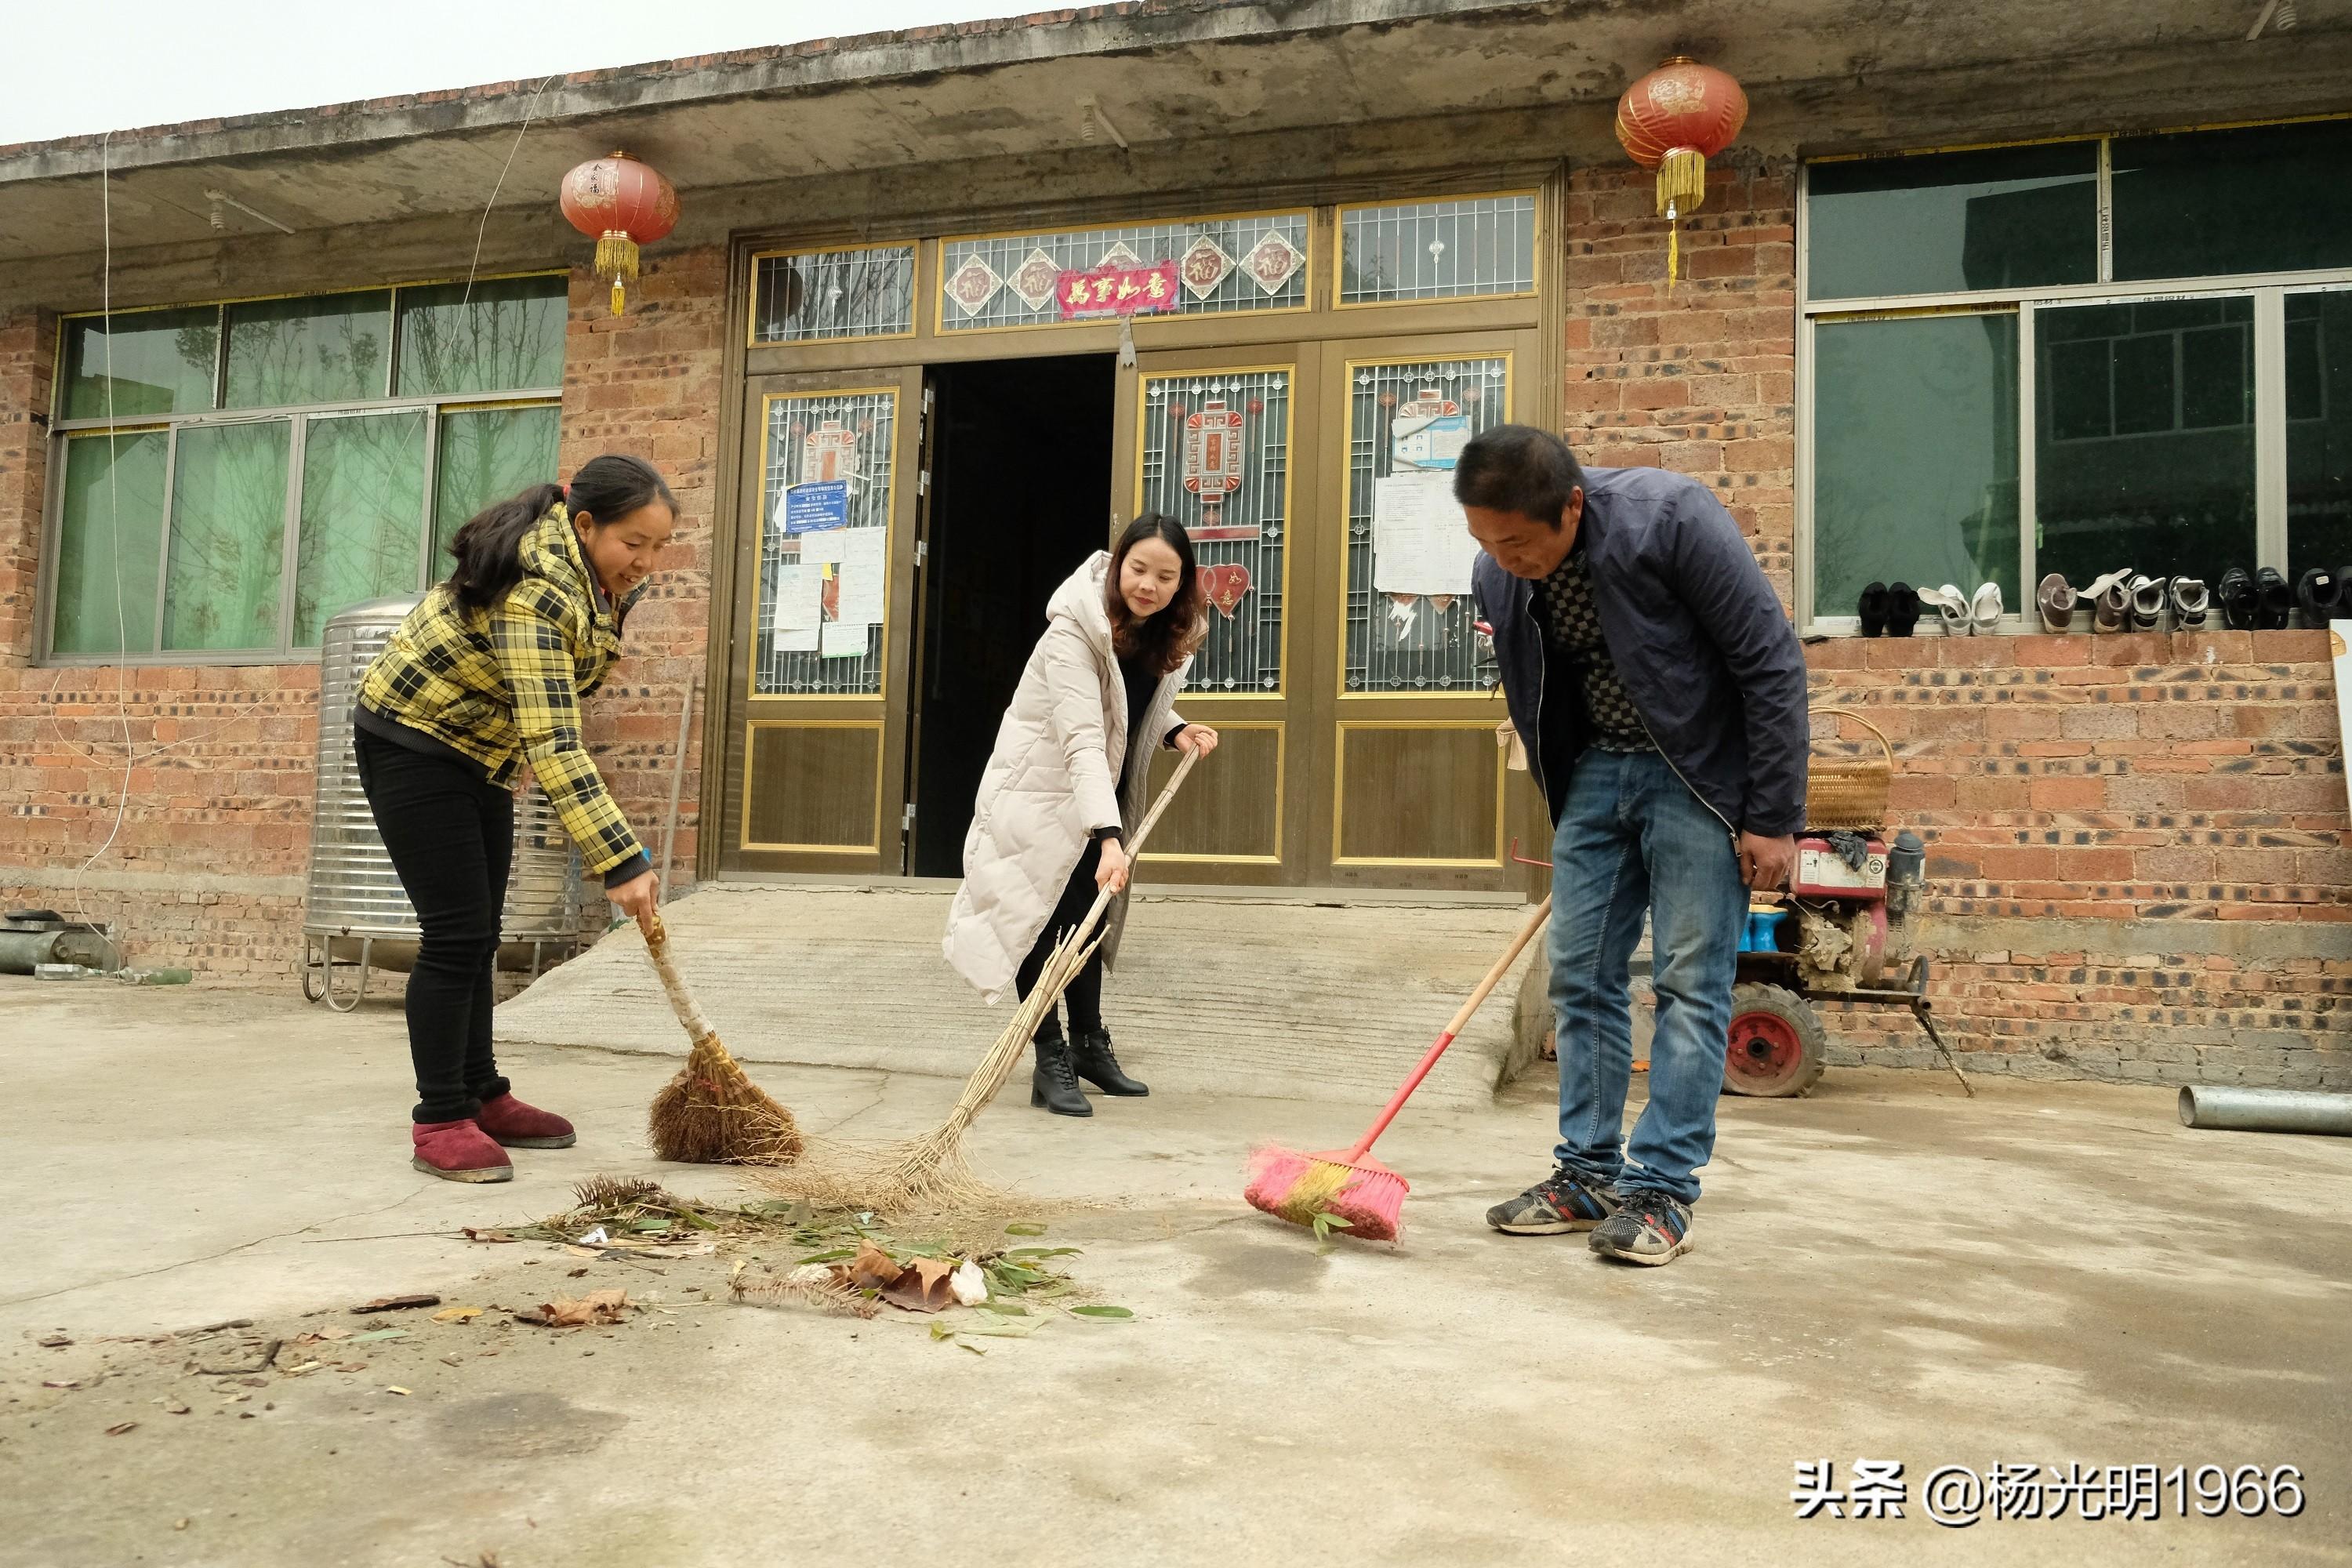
1118,291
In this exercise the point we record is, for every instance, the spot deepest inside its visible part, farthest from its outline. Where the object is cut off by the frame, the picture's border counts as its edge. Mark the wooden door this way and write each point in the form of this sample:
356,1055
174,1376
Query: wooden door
817,711
1416,789
1218,438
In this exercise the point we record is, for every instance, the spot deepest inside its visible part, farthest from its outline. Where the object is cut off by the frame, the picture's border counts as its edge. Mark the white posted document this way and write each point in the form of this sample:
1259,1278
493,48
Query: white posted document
862,565
799,608
844,639
1419,543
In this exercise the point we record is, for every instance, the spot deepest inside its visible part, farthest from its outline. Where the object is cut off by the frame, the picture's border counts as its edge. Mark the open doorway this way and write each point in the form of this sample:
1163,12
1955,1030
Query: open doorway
1021,487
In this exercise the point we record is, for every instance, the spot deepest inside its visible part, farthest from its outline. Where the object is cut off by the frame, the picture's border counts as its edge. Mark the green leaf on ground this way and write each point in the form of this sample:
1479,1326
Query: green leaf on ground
973,1349
379,1334
1025,1230
1115,1312
1041,1252
838,1255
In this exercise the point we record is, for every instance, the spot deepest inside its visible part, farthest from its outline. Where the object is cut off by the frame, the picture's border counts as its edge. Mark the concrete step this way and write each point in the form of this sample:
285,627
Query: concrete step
1213,994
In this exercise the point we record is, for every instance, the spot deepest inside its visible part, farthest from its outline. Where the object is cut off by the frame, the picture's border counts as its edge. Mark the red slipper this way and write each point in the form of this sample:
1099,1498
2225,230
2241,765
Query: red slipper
520,1126
459,1152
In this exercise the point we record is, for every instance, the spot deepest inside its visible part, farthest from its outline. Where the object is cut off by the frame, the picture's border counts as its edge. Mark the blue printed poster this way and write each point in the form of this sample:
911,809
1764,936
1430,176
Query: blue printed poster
814,507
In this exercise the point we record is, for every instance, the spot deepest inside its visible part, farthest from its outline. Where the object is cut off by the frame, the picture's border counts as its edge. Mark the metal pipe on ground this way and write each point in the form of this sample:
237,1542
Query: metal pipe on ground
2265,1109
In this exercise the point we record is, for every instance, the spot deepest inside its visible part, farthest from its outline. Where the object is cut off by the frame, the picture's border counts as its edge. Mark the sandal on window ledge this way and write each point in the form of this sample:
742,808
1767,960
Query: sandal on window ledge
2190,604
2057,603
1873,609
2238,599
2274,601
2320,592
1985,610
1902,609
1951,604
2110,599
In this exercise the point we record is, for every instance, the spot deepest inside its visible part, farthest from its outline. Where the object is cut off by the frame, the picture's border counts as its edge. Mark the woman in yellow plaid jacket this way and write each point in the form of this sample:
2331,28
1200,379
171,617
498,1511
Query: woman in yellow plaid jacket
485,674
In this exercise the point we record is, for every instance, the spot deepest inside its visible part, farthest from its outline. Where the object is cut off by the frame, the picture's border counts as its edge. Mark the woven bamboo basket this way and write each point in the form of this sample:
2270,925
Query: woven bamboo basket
1850,792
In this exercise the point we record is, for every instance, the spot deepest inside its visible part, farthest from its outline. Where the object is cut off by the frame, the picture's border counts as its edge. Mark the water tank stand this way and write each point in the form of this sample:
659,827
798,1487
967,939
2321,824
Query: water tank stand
318,966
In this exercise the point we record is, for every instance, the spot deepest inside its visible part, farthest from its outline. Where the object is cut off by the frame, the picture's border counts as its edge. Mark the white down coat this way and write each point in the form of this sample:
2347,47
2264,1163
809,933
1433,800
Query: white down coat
1052,780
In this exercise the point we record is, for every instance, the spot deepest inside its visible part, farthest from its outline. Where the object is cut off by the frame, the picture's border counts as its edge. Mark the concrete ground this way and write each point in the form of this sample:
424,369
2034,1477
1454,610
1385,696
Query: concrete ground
2048,1273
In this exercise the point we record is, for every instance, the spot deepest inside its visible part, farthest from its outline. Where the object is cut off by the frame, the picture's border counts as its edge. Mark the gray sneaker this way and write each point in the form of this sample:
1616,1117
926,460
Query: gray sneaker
1563,1201
1649,1227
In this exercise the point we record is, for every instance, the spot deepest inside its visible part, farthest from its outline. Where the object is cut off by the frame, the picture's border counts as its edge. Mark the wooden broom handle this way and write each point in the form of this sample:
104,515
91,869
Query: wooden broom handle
1534,923
1134,845
681,1000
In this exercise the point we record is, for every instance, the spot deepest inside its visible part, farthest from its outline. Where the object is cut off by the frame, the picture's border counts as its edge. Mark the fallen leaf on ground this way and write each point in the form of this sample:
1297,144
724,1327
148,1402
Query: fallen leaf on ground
119,1428
374,1334
61,1383
458,1315
926,1285
175,1408
53,1341
596,1307
872,1268
395,1388
1112,1312
575,1273
474,1235
397,1303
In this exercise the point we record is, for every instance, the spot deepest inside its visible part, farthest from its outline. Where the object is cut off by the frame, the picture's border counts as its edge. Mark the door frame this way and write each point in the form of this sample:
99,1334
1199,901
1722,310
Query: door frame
745,713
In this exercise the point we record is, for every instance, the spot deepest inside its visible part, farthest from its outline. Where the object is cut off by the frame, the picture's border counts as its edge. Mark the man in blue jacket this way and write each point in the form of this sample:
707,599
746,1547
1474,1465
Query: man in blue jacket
1660,693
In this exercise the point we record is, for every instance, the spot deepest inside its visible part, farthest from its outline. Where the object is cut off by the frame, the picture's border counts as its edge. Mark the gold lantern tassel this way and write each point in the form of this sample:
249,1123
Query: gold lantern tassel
1682,187
616,258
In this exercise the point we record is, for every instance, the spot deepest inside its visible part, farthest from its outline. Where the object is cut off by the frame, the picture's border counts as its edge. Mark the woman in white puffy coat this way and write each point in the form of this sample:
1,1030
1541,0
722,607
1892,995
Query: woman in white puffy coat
1067,778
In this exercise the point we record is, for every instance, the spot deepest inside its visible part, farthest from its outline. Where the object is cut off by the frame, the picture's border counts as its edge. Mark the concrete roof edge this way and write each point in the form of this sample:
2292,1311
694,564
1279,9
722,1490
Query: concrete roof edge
811,66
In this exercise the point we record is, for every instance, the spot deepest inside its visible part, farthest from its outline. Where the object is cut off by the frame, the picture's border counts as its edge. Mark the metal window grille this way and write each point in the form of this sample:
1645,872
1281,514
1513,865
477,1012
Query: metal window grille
871,417
835,294
1225,265
1438,251
1403,642
1236,504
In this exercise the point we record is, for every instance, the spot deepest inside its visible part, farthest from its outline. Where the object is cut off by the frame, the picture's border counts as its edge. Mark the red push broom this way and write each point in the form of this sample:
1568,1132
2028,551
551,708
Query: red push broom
1350,1184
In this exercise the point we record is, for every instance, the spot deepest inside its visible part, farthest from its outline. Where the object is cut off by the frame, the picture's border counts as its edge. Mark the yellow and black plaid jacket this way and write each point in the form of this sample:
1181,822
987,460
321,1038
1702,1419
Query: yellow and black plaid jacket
504,684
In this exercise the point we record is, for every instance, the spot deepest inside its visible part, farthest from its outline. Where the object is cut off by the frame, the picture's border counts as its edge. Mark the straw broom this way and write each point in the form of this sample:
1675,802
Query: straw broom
711,1113
929,1172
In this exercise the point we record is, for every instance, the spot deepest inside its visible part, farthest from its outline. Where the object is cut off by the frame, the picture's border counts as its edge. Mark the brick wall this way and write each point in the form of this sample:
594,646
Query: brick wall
2137,843
209,867
649,383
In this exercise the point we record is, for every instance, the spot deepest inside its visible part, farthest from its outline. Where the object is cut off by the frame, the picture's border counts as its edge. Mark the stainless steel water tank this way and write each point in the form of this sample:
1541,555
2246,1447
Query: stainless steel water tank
355,912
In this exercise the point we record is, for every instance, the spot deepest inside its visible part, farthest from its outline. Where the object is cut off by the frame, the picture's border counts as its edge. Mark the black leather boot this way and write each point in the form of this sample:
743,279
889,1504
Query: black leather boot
1091,1059
1053,1086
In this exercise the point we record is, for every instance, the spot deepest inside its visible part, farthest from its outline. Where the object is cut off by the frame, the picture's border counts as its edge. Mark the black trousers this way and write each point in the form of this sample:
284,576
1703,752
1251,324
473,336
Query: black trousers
450,834
1084,997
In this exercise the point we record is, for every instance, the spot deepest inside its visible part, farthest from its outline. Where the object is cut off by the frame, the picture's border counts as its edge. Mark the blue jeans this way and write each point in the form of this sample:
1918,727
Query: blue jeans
1633,839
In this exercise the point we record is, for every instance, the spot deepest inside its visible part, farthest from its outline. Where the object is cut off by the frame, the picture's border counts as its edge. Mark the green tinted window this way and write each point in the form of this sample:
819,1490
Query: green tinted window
326,349
487,455
161,363
506,335
362,510
2145,445
2013,217
2214,203
1915,456
228,536
110,538
2319,431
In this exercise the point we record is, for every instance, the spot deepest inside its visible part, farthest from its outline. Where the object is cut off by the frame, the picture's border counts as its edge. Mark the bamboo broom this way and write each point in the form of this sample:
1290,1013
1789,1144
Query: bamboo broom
711,1113
929,1171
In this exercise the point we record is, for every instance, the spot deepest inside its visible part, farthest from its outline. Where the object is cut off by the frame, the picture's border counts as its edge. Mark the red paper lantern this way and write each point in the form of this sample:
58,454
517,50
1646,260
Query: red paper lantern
1674,119
623,203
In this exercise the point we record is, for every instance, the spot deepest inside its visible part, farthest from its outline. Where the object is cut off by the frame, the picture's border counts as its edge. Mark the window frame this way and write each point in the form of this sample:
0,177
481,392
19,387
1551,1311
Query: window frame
63,431
2268,290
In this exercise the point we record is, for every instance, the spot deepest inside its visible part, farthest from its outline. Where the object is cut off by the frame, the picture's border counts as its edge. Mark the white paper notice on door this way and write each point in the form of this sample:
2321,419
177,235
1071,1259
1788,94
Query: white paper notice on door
799,608
862,562
1420,543
844,639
